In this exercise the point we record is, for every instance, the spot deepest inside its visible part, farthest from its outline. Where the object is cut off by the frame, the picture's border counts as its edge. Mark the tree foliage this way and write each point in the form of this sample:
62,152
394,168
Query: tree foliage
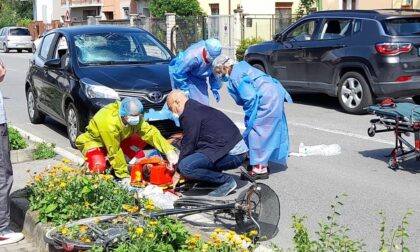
304,7
184,8
13,11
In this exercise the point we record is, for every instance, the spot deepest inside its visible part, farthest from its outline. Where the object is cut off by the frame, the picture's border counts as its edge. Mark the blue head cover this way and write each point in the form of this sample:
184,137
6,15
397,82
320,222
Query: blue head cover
213,48
130,106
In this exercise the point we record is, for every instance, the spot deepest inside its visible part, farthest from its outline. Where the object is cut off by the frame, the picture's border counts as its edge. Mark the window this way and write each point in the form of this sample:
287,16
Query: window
214,9
126,11
2,32
402,26
335,29
357,24
303,32
284,10
349,4
119,48
88,13
46,43
20,32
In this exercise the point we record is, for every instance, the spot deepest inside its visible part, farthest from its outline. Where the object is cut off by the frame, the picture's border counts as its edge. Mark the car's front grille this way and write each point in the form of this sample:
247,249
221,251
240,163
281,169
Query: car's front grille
166,127
147,104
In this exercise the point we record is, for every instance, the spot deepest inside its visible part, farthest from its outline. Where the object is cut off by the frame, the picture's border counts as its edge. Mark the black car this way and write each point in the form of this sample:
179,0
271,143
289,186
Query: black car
355,55
78,70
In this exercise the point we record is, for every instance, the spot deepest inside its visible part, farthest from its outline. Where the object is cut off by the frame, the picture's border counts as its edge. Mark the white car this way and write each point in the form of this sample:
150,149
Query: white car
18,38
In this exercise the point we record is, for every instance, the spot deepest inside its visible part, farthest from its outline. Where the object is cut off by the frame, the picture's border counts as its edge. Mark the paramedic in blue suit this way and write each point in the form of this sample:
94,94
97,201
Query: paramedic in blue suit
262,98
191,69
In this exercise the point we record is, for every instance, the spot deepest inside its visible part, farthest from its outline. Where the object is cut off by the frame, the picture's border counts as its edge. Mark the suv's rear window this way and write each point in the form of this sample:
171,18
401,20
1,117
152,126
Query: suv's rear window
19,32
402,26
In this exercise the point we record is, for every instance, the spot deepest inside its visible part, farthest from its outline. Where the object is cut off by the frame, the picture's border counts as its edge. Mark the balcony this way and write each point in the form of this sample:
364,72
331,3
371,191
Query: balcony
81,3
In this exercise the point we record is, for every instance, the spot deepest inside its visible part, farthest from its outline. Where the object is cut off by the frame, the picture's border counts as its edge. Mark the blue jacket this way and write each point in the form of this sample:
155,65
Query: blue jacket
208,131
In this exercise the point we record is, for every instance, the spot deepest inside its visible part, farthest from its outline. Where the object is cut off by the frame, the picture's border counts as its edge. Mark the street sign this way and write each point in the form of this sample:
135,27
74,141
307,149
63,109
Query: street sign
67,17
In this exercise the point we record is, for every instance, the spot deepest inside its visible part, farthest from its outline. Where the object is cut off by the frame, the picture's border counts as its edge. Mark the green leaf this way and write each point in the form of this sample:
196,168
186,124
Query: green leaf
86,190
51,208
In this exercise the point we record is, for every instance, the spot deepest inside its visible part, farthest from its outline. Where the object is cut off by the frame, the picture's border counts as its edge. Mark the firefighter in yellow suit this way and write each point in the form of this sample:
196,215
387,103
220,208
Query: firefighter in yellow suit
113,125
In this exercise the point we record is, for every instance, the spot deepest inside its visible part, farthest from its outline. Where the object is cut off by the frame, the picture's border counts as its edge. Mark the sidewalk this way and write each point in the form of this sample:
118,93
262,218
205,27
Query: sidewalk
21,177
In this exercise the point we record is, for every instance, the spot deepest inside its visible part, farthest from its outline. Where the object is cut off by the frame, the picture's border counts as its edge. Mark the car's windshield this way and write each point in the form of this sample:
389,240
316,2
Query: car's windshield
119,48
19,32
403,26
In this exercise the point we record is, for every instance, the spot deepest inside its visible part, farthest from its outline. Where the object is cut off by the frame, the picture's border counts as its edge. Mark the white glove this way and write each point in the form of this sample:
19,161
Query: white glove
172,157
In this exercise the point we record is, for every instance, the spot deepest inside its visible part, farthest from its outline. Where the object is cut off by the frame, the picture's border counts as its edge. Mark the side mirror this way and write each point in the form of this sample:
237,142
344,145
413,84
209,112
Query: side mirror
278,37
53,63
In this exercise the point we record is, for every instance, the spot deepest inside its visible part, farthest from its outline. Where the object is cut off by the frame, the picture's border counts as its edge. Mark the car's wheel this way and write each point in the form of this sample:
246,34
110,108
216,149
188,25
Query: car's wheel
19,50
35,116
259,67
354,93
74,124
31,50
5,49
416,99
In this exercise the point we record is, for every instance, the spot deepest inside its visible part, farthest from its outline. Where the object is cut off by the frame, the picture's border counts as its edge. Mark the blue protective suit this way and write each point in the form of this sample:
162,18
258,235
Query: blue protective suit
262,98
189,72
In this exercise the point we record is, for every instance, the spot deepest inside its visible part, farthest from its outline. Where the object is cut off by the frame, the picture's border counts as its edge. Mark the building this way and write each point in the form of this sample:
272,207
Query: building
48,10
288,7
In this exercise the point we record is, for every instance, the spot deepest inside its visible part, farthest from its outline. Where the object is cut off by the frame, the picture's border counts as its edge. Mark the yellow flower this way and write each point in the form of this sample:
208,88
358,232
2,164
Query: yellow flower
86,204
97,220
87,240
213,235
149,207
66,161
125,206
64,230
56,166
151,223
247,239
139,230
205,247
150,202
83,228
197,236
62,184
232,232
108,177
190,247
66,169
218,230
133,209
150,235
56,180
253,233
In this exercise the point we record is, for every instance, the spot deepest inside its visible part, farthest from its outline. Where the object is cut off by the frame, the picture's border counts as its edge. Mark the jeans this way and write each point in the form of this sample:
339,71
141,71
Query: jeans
198,166
6,177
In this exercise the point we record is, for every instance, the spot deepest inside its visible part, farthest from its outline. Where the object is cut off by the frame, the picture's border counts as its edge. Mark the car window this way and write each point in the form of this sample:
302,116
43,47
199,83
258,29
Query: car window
1,32
19,32
119,48
335,29
357,25
303,32
402,26
46,43
61,51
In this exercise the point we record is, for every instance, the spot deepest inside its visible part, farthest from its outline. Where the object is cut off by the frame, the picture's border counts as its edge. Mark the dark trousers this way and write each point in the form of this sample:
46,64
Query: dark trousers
198,166
6,177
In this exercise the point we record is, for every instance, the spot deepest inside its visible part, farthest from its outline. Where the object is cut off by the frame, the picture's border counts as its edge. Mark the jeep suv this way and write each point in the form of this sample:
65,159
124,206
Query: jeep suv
355,55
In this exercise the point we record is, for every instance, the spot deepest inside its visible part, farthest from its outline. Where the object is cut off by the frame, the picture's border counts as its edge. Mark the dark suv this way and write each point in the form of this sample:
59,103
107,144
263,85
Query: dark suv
76,71
357,56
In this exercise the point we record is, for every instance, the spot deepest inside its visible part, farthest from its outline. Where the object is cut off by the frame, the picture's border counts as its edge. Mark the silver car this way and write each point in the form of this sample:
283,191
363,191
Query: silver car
18,38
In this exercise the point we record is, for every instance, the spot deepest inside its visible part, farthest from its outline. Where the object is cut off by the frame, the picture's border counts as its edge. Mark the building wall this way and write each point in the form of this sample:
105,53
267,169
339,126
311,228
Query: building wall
44,10
249,6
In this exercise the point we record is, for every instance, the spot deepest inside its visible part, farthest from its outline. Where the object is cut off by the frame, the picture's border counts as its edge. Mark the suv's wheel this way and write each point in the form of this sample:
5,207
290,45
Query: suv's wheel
354,93
73,124
416,99
259,67
35,116
19,50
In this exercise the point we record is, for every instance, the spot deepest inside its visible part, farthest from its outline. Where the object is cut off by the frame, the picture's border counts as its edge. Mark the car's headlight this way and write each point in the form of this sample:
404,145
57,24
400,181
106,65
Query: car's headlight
95,90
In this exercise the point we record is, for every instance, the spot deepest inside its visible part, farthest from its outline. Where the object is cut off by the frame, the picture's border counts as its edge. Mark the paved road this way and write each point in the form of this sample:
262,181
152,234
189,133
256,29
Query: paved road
308,186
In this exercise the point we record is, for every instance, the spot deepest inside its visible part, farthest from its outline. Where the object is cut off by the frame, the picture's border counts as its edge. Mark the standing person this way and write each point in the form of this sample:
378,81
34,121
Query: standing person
191,69
7,236
211,143
118,130
262,98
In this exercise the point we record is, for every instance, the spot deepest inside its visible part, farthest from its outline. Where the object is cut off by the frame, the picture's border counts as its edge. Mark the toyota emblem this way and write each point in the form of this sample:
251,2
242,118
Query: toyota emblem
155,96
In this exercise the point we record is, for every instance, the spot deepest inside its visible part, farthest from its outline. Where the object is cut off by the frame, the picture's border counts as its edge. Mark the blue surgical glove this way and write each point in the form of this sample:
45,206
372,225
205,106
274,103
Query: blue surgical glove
216,95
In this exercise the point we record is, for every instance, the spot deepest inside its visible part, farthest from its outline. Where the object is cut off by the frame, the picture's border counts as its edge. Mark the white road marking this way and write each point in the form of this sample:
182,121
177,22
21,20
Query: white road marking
241,126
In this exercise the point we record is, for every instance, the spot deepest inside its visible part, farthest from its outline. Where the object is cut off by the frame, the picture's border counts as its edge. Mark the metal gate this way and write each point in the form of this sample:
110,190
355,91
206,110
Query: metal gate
222,27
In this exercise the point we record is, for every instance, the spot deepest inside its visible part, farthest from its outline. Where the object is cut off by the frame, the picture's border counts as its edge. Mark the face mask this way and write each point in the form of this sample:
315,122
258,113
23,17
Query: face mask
225,78
133,120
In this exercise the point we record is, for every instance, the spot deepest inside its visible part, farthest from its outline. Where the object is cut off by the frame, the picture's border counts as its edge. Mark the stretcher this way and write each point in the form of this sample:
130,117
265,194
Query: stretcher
403,119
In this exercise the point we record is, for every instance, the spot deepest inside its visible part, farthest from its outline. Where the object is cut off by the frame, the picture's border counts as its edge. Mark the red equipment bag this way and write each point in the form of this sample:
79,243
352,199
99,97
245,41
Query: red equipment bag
152,170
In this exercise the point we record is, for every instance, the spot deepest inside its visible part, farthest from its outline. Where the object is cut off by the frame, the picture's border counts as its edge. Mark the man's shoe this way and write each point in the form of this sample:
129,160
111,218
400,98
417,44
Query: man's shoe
259,172
224,189
8,236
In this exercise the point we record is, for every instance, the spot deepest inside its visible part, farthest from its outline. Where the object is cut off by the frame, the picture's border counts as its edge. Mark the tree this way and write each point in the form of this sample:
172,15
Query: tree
184,8
13,11
304,7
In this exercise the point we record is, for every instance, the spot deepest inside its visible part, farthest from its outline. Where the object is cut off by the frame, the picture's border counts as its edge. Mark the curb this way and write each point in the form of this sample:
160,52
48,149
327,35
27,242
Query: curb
20,156
60,151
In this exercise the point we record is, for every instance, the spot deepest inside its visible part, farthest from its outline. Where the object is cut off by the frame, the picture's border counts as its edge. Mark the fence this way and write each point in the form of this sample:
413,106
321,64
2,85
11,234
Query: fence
38,28
265,26
190,30
222,27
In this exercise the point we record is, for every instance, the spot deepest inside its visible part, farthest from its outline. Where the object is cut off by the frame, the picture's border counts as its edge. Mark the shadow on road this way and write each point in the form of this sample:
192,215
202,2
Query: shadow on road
409,165
318,100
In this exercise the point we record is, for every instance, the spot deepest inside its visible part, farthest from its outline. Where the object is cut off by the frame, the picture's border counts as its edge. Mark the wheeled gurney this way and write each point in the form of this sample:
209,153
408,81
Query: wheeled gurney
403,119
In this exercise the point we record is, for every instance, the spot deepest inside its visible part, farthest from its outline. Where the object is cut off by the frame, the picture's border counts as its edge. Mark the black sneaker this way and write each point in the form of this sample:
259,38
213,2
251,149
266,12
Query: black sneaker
224,189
